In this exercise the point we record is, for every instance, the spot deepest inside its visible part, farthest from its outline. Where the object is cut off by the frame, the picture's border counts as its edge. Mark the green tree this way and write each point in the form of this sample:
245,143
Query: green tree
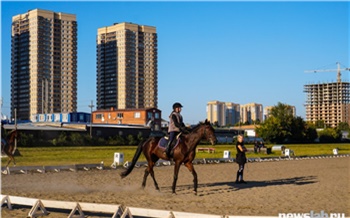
281,126
320,124
343,126
26,140
77,139
329,135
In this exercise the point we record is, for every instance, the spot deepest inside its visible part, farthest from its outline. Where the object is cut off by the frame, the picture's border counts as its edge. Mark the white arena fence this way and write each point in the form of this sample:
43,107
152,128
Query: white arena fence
100,166
40,208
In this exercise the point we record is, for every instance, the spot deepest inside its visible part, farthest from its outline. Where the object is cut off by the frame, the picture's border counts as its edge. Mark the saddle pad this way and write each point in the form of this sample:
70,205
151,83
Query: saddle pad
163,142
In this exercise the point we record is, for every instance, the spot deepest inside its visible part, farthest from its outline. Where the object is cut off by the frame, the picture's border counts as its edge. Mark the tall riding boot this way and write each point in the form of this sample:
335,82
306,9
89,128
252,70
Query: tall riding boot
242,181
169,148
237,178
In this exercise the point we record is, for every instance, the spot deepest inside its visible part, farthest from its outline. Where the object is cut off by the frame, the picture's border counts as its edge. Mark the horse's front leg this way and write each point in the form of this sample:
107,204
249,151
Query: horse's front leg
190,167
176,173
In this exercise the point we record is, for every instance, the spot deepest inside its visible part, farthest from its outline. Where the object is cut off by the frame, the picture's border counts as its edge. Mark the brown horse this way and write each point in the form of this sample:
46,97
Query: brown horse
184,152
8,146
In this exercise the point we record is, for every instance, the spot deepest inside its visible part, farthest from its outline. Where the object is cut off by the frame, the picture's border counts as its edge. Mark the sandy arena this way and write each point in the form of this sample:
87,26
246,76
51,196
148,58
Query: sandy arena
295,186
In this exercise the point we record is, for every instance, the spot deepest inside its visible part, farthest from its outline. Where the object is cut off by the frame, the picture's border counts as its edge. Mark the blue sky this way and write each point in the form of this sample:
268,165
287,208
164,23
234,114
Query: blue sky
239,52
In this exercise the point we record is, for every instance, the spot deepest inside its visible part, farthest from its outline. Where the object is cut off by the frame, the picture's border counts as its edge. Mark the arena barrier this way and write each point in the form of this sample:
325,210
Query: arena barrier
43,169
75,209
75,167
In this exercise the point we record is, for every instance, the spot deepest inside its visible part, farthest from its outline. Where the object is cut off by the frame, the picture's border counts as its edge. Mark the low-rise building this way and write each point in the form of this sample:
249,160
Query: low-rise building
146,117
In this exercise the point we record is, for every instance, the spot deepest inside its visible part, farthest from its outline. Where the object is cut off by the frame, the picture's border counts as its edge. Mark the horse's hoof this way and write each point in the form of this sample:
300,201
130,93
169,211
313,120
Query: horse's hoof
195,192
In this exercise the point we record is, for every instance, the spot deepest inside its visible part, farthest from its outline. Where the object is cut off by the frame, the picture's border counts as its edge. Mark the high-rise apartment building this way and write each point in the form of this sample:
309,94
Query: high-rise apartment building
224,113
43,63
127,70
251,112
328,102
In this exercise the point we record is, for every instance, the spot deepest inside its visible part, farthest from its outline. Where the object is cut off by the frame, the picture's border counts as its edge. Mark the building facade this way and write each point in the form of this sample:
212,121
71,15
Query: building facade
127,67
251,113
329,102
151,117
223,113
43,63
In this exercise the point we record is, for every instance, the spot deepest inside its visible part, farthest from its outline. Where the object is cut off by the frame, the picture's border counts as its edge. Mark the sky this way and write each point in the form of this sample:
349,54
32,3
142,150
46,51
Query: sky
230,51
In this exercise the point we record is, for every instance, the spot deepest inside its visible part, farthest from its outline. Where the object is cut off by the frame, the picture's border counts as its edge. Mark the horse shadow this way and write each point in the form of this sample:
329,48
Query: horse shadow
232,186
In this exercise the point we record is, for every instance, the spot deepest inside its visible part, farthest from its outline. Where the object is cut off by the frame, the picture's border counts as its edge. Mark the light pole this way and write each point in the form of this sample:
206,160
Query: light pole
91,106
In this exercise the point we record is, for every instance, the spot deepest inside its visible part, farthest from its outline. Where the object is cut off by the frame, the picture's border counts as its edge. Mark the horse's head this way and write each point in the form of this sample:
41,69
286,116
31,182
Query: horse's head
209,132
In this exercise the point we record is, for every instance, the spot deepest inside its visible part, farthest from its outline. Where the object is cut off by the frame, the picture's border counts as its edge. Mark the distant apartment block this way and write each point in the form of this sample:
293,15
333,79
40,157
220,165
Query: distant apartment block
43,64
127,67
224,113
251,112
267,111
329,102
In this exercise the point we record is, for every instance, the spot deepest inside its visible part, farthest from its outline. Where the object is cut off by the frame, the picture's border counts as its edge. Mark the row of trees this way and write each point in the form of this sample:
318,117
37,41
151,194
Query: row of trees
281,127
77,139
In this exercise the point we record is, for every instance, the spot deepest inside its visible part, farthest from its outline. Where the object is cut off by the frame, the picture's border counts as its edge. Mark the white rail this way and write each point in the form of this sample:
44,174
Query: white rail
77,209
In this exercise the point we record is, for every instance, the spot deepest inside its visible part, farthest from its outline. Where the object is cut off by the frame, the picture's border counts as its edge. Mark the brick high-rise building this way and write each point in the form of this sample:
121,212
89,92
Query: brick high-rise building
127,70
328,102
43,63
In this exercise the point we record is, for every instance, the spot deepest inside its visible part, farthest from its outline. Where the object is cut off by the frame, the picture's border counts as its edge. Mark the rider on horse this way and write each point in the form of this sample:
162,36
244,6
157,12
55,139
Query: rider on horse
176,126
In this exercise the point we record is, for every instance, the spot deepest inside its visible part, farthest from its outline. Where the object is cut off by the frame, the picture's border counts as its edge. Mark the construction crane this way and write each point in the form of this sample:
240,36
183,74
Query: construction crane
338,70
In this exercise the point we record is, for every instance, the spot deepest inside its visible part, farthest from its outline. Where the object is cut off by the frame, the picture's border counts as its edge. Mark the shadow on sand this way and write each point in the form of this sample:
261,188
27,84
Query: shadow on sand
302,180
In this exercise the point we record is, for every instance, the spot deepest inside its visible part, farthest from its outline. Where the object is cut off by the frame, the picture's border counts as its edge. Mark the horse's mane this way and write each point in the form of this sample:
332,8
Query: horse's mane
197,126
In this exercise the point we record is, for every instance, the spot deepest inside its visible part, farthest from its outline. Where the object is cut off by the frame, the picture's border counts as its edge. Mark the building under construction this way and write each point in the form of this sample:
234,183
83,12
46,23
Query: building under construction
328,102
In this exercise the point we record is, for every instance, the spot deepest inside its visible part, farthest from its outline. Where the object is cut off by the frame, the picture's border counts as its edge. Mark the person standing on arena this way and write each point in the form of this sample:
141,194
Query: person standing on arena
240,158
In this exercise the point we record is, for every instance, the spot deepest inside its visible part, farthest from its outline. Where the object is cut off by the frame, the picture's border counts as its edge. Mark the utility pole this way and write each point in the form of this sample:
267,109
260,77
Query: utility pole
15,127
91,106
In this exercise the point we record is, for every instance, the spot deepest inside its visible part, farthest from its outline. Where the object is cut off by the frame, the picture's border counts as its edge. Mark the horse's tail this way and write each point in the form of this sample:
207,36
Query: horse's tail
138,152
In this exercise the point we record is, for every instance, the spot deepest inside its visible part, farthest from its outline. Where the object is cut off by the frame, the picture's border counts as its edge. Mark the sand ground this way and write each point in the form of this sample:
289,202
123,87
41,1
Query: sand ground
294,186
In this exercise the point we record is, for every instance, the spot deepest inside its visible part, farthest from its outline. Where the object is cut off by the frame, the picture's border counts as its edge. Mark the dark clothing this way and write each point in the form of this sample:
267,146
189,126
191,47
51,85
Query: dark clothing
172,136
240,157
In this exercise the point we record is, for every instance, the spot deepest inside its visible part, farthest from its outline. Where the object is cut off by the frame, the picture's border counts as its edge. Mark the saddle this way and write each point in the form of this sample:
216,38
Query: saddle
163,142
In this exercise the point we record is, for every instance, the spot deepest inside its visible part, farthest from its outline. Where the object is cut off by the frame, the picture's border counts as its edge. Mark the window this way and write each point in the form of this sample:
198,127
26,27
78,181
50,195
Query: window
98,116
137,115
120,115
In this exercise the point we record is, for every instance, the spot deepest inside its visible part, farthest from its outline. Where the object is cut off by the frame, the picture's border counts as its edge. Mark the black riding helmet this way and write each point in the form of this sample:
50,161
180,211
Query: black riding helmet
177,104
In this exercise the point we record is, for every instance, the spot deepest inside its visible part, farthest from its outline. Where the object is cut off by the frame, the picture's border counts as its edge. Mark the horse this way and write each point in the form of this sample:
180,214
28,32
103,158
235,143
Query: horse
8,146
184,152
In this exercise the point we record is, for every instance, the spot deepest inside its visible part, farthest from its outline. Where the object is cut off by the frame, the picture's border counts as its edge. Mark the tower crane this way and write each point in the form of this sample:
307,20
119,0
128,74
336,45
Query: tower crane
338,70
